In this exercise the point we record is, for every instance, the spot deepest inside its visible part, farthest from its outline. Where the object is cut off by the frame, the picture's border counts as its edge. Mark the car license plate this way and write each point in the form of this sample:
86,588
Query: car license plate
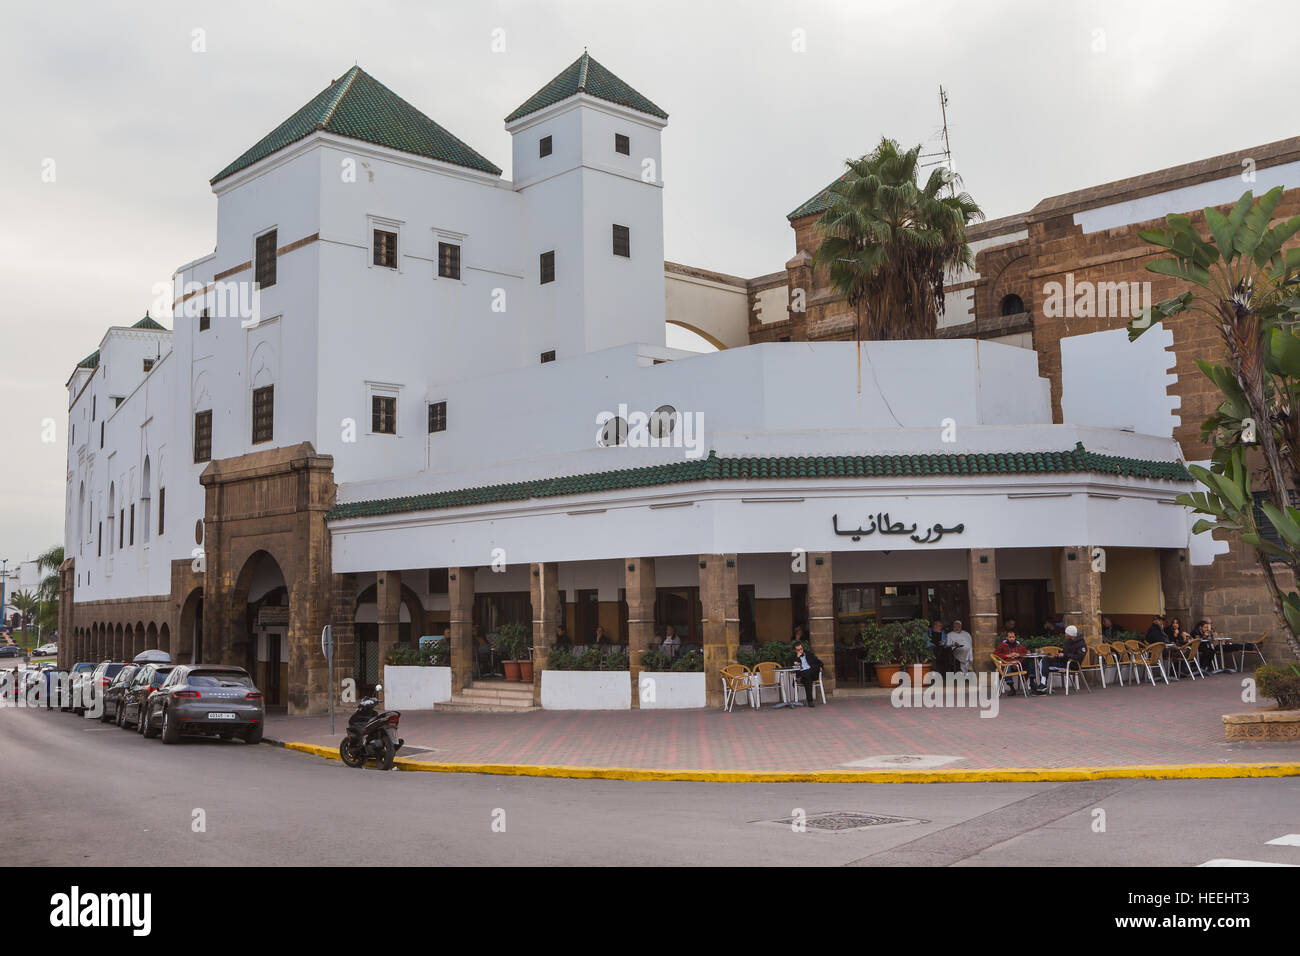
221,716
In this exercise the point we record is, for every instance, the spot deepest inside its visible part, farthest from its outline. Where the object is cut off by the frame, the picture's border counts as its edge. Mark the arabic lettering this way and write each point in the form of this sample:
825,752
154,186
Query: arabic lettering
880,523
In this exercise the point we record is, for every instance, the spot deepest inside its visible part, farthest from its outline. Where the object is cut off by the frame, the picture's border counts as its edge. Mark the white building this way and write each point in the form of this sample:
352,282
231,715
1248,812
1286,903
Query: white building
397,369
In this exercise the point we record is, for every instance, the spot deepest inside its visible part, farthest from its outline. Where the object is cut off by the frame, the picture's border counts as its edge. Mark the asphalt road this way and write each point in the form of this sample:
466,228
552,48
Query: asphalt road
79,792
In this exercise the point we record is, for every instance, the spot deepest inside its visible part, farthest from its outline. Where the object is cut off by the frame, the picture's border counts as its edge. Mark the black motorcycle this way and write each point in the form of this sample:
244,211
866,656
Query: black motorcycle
371,735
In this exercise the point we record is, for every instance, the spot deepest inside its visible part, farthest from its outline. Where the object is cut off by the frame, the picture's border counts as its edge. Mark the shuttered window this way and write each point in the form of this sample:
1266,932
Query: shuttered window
203,436
263,414
622,144
548,267
544,146
437,417
448,260
622,241
383,414
265,269
385,249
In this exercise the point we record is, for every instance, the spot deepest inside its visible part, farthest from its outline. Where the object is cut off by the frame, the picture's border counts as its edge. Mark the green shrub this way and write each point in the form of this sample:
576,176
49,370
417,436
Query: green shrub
436,654
779,652
560,659
1280,683
692,661
746,656
898,642
653,660
513,641
616,659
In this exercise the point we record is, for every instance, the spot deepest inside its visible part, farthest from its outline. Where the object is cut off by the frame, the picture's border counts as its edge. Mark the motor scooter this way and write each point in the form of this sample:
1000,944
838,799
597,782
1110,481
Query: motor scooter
371,735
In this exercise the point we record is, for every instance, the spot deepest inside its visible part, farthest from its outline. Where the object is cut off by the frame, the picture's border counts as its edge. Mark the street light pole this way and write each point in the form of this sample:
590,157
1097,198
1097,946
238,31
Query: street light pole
4,579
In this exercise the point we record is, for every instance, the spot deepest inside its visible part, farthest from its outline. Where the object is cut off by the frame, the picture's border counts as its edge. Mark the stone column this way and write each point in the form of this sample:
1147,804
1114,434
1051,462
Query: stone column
982,589
460,599
720,598
1081,585
1176,583
639,586
821,614
388,605
544,592
343,609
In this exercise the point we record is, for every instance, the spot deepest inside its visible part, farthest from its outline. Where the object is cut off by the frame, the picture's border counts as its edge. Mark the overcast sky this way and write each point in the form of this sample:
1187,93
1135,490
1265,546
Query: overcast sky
1044,97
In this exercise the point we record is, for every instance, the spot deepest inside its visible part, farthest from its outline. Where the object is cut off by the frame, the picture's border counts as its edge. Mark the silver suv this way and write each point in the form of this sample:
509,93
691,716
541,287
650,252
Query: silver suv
206,699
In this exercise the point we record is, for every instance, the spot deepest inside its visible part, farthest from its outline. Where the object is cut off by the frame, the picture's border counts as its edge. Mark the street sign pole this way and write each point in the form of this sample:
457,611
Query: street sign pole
327,645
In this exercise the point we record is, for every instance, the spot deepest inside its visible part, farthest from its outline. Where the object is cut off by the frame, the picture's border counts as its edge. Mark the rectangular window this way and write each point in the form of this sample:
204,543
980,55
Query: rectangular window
437,417
385,249
383,414
448,260
205,321
148,364
101,435
544,146
131,537
121,528
548,356
99,541
263,414
94,406
162,509
203,436
264,271
622,144
548,267
622,241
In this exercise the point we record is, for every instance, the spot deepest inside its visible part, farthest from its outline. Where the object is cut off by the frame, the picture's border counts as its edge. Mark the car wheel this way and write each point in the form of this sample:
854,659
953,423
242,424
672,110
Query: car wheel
105,716
147,731
121,718
254,736
170,732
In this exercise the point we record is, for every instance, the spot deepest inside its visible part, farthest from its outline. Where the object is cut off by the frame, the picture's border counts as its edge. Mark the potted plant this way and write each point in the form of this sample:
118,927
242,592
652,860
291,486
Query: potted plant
512,642
897,645
915,649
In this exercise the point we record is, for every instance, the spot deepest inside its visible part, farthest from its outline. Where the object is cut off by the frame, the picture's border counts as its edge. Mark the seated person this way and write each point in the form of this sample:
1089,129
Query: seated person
602,639
808,668
671,641
482,651
1156,632
962,646
1012,652
562,638
1072,653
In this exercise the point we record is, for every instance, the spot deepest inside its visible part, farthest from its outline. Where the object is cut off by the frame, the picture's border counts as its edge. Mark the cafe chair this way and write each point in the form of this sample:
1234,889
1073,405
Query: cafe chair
1116,655
735,679
1135,652
1071,669
1252,647
1099,656
1010,670
764,675
1152,658
1187,656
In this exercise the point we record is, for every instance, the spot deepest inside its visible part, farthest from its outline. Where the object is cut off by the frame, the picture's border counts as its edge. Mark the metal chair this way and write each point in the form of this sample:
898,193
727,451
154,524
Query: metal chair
1188,655
1071,669
735,678
1136,649
1252,647
1010,670
764,673
1152,656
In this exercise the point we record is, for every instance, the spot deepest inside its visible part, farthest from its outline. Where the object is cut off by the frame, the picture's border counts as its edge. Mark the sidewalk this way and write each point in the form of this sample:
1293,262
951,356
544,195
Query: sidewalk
1168,731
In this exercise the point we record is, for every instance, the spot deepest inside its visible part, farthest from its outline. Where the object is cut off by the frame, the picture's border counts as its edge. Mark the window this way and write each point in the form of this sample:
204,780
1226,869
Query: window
205,321
622,144
622,241
99,541
383,414
548,356
264,271
263,414
101,435
118,400
121,528
94,406
548,267
544,146
385,249
448,260
131,537
437,417
148,364
203,436
1013,305
162,509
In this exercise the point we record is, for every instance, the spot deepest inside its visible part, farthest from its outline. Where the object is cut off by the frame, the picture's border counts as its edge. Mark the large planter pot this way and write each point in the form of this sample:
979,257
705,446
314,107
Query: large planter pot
586,690
916,674
526,671
415,688
885,674
512,669
671,690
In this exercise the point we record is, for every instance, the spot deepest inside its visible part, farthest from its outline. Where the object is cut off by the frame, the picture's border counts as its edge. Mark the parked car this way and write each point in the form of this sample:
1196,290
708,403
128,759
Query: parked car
79,673
99,680
45,650
11,650
206,699
116,690
147,680
152,657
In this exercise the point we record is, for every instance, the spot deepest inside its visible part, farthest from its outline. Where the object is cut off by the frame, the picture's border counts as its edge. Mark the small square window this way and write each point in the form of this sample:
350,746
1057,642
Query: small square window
385,249
437,417
263,414
548,267
548,356
448,260
148,364
383,414
265,270
622,144
203,436
622,241
544,146
205,321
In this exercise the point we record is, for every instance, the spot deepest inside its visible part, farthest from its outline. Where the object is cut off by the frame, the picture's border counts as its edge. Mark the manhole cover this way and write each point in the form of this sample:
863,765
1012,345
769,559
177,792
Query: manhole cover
901,761
841,820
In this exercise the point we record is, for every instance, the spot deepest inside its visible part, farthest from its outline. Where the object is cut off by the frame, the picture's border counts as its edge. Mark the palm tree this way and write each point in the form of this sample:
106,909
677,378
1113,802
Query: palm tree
47,592
887,241
25,603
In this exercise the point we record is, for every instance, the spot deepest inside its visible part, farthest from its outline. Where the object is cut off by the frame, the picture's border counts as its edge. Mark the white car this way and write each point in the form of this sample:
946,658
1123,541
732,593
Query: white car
46,649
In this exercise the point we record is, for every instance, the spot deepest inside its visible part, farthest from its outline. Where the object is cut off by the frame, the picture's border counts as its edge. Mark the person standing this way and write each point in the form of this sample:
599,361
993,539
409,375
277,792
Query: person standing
962,645
808,667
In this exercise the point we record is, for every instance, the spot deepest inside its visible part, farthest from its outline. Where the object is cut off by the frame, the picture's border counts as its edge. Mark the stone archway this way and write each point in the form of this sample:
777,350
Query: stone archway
189,635
263,619
165,639
151,637
137,640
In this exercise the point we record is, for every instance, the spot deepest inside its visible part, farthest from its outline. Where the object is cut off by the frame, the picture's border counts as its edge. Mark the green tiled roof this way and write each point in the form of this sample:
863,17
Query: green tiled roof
90,361
585,75
714,468
149,325
358,106
816,204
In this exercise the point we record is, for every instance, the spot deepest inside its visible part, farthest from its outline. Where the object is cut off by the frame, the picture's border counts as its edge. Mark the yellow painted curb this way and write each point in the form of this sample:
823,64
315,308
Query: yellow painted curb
1194,771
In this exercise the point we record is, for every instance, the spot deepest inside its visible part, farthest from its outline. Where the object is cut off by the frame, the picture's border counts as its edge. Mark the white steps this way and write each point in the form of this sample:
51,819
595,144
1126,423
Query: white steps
492,697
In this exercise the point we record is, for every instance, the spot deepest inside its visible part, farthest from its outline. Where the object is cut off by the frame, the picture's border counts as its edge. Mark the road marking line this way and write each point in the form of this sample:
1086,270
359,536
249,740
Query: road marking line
1242,863
1291,839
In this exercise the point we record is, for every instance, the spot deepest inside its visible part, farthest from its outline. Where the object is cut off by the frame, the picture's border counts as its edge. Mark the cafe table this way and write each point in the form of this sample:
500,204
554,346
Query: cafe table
789,691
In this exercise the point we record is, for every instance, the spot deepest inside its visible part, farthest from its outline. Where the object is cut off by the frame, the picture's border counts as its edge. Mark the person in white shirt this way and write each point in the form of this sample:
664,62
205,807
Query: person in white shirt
671,642
962,644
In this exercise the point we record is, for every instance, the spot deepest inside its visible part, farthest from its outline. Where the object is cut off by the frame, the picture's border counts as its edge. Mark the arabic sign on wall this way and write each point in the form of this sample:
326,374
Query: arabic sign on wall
880,524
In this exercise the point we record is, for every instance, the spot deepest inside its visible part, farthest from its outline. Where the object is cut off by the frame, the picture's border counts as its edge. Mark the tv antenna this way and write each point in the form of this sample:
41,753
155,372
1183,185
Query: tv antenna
944,156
